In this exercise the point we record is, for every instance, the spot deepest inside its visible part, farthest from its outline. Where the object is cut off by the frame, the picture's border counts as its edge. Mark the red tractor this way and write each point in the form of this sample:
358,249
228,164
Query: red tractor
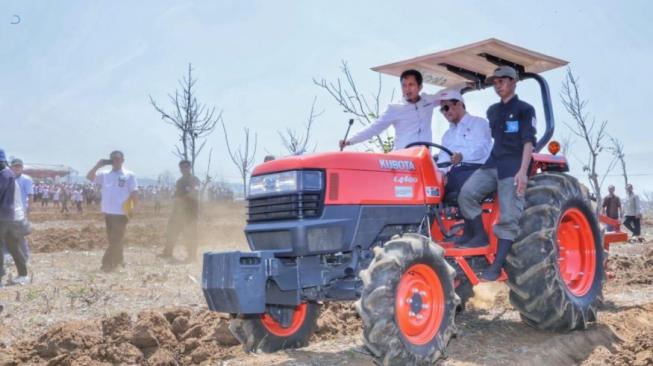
376,228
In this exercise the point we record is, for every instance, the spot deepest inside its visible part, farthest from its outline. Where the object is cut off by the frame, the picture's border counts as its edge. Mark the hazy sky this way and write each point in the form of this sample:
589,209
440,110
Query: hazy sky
75,75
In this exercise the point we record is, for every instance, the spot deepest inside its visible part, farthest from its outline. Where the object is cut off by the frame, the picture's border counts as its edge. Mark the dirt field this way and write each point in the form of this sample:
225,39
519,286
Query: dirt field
153,312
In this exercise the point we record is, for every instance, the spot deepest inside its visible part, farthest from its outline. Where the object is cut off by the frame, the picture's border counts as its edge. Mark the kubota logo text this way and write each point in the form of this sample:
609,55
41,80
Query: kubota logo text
397,164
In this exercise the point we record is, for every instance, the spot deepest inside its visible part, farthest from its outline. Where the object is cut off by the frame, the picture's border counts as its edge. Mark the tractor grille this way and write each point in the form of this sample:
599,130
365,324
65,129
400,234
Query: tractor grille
286,207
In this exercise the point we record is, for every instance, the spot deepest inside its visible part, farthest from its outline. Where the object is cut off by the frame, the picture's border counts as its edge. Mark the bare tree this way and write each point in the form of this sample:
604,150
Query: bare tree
193,120
242,157
566,142
617,151
365,109
590,131
207,177
296,142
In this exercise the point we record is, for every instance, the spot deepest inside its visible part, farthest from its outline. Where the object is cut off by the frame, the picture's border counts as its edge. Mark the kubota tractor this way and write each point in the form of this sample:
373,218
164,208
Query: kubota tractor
375,228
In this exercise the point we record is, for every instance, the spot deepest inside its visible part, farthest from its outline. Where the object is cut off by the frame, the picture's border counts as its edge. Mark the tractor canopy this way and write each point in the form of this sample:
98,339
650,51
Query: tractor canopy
470,67
473,63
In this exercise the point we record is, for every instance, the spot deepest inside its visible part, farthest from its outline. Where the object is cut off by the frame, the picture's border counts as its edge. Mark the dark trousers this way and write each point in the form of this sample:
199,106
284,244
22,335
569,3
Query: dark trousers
182,222
23,246
457,176
11,238
116,225
633,224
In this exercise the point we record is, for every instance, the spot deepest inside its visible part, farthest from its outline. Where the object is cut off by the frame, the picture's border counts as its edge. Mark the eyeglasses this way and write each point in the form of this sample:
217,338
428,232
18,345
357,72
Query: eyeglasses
445,108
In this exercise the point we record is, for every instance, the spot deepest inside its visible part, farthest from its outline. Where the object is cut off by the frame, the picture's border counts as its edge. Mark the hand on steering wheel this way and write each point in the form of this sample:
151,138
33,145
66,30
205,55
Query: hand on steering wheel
431,144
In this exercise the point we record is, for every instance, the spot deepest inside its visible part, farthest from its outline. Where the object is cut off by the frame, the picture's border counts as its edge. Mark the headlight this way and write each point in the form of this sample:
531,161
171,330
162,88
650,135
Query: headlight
285,182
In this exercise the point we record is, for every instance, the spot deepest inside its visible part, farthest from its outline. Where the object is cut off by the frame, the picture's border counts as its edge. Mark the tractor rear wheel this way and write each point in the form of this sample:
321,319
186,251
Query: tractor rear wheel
262,332
555,268
408,302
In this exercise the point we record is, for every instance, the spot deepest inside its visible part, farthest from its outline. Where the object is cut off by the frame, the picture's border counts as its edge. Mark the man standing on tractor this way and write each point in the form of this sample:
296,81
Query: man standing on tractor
411,119
469,137
512,122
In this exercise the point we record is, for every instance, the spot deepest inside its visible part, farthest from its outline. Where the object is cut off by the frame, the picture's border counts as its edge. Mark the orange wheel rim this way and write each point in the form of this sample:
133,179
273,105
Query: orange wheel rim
277,329
576,252
419,304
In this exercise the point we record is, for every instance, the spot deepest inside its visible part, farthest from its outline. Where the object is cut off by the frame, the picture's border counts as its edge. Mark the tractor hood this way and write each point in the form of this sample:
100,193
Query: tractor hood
400,160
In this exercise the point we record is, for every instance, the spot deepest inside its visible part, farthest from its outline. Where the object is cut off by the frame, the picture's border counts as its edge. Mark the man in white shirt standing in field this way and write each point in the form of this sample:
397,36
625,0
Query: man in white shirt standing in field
119,194
411,119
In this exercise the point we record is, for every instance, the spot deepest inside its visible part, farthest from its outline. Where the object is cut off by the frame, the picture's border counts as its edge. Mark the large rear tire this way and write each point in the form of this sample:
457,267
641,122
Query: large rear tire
555,268
408,302
263,333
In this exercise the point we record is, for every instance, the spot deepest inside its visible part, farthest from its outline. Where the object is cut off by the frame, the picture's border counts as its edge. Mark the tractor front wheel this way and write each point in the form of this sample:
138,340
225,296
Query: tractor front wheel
408,303
263,332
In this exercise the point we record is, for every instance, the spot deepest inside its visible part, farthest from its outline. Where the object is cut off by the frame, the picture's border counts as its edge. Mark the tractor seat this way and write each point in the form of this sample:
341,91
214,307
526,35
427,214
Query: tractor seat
451,198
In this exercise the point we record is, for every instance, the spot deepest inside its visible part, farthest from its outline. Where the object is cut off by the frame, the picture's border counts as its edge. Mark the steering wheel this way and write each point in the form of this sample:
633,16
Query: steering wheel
431,144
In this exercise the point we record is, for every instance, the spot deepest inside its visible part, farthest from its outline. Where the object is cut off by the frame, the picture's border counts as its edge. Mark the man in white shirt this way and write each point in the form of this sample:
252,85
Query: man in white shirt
633,213
411,119
468,137
119,194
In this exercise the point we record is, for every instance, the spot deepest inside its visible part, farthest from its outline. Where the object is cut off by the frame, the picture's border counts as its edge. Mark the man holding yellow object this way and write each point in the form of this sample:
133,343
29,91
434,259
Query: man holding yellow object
119,193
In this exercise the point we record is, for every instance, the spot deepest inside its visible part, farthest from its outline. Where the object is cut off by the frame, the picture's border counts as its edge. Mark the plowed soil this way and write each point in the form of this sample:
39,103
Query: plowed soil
153,312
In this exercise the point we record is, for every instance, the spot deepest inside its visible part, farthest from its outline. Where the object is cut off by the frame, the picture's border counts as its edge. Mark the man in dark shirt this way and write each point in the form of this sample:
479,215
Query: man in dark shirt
611,207
512,122
185,213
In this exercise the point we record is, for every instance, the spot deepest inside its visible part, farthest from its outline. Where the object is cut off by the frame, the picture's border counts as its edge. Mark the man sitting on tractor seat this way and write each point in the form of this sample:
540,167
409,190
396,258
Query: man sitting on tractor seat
411,119
468,137
512,122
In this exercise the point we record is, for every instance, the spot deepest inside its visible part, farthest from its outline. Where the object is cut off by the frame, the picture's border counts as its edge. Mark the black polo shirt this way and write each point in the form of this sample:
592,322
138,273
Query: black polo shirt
512,125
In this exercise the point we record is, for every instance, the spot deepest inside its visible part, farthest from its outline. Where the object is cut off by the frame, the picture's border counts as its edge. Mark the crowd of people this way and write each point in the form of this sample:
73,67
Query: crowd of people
117,192
62,196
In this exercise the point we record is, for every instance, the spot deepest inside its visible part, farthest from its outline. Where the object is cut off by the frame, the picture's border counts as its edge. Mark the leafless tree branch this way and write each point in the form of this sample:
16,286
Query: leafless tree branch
243,158
591,132
353,102
617,151
295,142
193,120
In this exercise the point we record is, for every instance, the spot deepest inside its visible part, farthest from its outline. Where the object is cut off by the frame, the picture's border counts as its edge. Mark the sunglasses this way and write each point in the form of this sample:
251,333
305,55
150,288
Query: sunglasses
445,108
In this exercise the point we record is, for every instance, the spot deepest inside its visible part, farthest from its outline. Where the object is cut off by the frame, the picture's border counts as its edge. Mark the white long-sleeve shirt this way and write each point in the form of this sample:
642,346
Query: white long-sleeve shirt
471,137
412,122
632,206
